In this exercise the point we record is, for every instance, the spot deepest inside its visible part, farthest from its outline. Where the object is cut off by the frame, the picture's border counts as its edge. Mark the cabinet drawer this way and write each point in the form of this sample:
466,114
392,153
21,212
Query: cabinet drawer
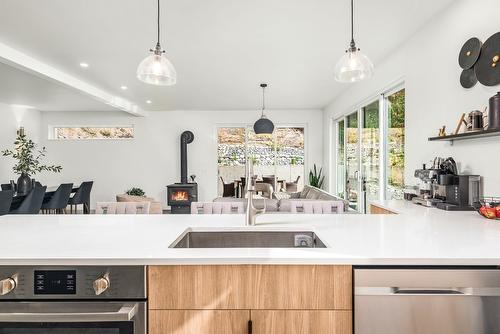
250,287
198,321
301,322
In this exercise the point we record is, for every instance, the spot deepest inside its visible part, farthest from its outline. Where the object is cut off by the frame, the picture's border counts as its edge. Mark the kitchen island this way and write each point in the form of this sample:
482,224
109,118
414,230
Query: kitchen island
251,290
415,236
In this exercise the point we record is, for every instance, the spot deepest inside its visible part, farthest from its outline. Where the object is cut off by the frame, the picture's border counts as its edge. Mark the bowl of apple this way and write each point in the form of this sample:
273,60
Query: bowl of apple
489,207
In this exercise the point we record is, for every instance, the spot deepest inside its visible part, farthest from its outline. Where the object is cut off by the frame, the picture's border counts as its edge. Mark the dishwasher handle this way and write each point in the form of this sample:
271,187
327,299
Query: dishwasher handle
427,291
435,291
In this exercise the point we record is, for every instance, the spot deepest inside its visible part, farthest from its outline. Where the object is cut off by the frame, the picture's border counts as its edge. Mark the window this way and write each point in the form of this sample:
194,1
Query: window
281,154
99,132
370,151
396,145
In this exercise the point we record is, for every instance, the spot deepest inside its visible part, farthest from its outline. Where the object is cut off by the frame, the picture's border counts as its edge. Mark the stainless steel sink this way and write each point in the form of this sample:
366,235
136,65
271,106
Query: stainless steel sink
248,239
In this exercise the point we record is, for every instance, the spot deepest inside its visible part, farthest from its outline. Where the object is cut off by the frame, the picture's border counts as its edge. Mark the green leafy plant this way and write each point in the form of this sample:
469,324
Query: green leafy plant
136,192
315,177
29,157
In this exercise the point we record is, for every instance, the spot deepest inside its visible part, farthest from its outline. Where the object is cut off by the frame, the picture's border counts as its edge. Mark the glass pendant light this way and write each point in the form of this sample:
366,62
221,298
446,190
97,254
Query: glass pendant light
354,65
263,126
156,69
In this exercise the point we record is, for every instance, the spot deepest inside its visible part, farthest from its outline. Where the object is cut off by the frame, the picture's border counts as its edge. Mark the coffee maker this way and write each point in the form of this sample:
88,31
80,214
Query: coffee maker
442,187
462,192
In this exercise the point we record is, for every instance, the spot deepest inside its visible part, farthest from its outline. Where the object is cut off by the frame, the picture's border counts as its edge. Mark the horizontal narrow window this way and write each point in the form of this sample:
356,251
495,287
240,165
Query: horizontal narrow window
94,132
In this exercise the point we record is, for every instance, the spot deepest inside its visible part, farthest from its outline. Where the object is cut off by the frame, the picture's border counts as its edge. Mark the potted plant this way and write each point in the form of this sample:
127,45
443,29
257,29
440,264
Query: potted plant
136,192
28,163
315,178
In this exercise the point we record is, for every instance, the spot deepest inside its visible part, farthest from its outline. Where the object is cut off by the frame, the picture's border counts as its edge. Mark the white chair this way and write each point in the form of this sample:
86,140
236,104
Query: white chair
316,207
122,208
217,208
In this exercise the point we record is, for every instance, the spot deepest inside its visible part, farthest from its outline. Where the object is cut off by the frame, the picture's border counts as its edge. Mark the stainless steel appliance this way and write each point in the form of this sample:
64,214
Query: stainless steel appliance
76,300
461,194
428,178
427,301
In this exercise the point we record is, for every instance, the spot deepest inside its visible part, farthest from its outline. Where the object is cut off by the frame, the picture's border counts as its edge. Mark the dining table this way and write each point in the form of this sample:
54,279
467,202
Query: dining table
18,198
281,186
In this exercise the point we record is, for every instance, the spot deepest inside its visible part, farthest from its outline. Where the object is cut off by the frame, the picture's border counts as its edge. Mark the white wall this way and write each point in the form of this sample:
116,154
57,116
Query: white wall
151,160
428,63
10,120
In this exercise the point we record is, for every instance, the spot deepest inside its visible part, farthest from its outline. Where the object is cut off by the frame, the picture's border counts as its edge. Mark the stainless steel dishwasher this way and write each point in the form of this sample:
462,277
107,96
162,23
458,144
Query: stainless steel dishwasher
427,301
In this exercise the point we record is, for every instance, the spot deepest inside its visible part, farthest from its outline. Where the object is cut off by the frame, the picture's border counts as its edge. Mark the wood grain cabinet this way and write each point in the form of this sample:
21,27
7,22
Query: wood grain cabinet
275,298
376,210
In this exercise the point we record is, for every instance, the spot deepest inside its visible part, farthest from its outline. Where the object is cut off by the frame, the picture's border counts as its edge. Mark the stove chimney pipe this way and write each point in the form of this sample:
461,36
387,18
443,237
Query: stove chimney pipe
187,137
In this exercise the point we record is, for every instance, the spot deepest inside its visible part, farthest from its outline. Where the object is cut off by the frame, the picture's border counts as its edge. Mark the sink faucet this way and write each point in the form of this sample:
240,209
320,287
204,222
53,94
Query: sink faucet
252,211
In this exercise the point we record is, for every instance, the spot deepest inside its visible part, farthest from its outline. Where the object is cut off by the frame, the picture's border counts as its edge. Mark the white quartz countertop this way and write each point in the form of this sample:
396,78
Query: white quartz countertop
416,236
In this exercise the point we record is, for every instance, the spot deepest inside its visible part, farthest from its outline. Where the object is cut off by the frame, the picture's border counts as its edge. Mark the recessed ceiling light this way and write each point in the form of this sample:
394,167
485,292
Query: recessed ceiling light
148,101
84,65
123,87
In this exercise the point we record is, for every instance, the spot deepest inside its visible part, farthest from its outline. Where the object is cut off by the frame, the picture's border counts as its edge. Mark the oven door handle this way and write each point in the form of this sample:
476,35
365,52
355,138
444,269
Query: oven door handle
126,313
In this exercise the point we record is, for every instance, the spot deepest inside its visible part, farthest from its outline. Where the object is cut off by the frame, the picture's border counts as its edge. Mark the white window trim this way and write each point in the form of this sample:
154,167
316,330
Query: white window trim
51,132
249,125
382,97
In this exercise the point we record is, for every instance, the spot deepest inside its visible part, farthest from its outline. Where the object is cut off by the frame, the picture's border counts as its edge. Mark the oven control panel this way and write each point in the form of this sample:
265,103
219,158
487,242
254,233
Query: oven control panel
65,282
54,282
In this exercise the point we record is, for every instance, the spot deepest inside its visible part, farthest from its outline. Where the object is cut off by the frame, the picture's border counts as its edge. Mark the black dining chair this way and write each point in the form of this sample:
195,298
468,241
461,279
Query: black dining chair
5,201
58,202
228,188
82,196
32,203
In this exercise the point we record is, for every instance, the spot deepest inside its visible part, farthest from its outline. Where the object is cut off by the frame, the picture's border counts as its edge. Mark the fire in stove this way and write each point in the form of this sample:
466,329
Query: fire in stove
180,195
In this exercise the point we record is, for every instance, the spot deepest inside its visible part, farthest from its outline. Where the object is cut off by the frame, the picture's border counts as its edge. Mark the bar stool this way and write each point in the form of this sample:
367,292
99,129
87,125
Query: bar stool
82,196
32,203
5,201
59,201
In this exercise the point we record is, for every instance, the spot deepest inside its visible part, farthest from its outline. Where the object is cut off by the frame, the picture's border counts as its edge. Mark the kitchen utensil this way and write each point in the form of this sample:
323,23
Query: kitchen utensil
468,78
477,120
469,54
494,112
487,67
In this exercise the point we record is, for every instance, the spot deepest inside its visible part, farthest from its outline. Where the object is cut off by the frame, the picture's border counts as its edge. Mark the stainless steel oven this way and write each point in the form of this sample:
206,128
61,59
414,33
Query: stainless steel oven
76,300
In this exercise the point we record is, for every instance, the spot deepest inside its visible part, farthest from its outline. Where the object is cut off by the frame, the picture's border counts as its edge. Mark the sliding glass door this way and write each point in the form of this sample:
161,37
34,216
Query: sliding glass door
352,191
370,151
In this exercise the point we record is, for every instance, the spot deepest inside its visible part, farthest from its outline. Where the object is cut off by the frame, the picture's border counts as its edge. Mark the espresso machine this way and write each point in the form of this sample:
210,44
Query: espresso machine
442,187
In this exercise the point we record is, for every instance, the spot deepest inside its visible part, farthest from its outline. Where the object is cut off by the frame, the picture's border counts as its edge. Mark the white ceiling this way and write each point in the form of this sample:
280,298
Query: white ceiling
222,49
21,88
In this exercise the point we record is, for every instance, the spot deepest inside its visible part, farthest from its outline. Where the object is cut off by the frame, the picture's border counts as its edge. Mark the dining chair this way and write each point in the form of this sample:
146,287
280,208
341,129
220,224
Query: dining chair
270,179
317,207
5,201
6,186
227,188
217,208
291,187
81,196
122,208
32,203
58,202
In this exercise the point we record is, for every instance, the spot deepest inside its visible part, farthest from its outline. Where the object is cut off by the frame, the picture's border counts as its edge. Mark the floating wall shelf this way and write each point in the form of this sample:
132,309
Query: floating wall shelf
468,135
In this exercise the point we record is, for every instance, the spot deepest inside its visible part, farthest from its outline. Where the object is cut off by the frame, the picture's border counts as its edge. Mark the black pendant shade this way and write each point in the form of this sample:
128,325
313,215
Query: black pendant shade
263,126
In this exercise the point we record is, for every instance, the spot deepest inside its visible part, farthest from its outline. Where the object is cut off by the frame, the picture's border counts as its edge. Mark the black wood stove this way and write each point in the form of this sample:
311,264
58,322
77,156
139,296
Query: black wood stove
181,195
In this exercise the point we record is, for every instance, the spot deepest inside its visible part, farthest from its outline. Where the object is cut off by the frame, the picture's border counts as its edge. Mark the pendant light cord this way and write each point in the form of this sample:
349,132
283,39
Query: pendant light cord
353,44
158,23
263,100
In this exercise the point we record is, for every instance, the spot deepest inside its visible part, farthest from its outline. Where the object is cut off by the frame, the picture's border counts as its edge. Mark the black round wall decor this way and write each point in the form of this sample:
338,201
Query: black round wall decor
468,78
469,54
487,67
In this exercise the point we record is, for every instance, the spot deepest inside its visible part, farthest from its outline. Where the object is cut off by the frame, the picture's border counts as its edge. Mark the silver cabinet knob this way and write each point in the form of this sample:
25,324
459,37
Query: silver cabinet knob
101,284
7,285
